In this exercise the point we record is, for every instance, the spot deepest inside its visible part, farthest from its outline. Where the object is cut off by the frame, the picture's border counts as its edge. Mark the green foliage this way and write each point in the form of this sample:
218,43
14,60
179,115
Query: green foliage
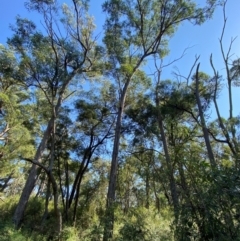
7,230
126,29
215,214
70,234
143,224
37,68
9,233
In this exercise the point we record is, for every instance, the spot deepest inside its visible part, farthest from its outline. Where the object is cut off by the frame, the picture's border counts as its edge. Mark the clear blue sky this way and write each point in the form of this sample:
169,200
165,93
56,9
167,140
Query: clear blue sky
204,39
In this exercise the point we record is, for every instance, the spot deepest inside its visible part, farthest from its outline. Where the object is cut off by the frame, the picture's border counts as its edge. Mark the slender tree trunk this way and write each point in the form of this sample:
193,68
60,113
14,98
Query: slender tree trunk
147,188
187,194
52,178
45,215
64,204
56,208
89,155
109,216
40,187
222,126
75,184
31,180
173,188
170,169
114,164
80,173
76,200
203,122
67,187
65,197
51,161
32,177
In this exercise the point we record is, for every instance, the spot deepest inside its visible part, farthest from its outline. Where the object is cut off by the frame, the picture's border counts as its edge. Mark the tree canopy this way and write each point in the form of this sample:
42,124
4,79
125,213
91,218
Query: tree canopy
95,144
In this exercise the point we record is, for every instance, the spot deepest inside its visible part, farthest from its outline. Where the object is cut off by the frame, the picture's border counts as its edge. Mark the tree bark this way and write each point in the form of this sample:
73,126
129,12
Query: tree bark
31,180
56,208
173,188
109,222
108,229
32,177
203,122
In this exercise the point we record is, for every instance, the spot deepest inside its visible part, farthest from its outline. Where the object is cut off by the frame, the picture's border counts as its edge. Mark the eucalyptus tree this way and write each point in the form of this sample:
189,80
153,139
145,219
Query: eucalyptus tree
135,30
51,61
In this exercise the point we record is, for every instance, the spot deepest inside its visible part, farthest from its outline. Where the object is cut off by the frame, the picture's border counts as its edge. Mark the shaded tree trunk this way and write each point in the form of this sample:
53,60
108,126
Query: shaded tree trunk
203,122
170,169
56,207
83,169
32,177
108,229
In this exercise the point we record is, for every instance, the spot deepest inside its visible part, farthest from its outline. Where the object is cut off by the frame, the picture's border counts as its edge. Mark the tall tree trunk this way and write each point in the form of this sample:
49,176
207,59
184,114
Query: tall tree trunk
89,153
86,158
170,169
169,164
187,194
51,161
52,178
109,217
109,223
48,193
32,177
56,207
147,188
63,196
203,122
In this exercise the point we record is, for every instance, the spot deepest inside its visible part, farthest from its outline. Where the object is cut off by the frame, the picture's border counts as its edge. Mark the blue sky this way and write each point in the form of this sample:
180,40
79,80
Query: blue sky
203,40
